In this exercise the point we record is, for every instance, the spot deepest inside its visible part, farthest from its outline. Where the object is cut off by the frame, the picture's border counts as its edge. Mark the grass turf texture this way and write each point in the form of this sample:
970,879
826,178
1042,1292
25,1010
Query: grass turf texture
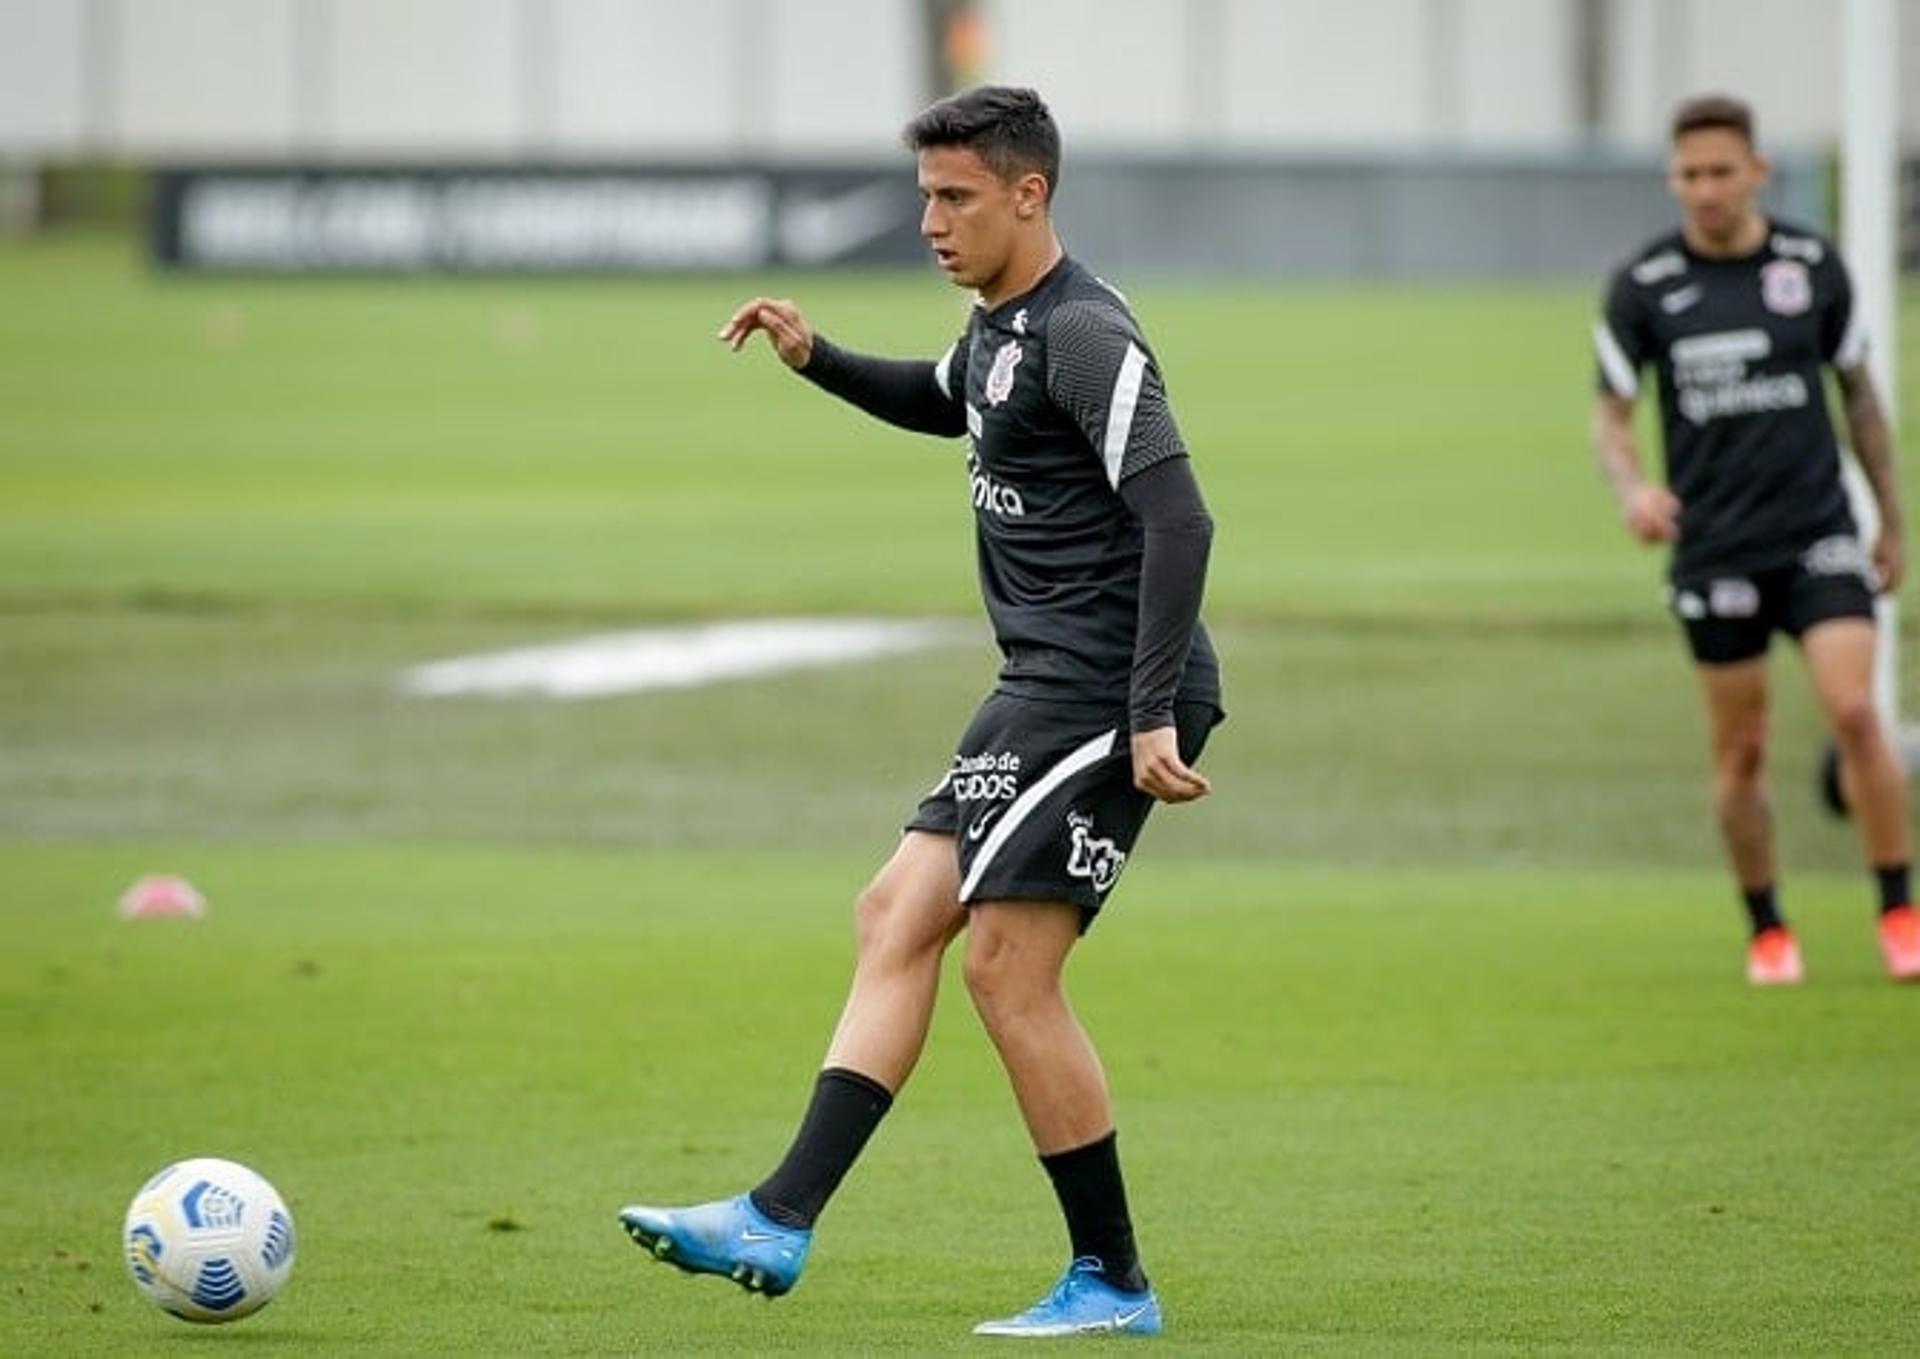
479,972
1429,1111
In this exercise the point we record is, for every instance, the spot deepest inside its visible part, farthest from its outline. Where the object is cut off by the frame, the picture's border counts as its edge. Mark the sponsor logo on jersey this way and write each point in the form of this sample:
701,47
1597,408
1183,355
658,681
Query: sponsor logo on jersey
990,496
1020,322
1807,248
1667,264
1733,598
1000,376
992,776
1840,555
1681,299
1785,287
1710,374
1098,861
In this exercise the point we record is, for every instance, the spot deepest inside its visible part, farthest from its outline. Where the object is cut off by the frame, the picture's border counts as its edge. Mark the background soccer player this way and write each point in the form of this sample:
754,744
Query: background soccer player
1737,314
1092,545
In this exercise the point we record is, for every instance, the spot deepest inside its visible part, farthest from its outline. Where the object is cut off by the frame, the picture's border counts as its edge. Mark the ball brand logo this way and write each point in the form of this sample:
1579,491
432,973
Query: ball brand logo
994,497
208,1205
1000,376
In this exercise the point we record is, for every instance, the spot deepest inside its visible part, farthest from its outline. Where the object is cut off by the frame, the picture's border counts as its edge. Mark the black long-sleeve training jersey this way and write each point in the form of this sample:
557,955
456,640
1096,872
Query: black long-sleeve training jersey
1092,536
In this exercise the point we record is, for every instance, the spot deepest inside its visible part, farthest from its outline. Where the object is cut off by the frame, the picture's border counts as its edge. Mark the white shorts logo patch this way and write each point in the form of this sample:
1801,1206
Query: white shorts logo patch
1733,599
1840,555
1000,377
1785,287
1098,861
1689,605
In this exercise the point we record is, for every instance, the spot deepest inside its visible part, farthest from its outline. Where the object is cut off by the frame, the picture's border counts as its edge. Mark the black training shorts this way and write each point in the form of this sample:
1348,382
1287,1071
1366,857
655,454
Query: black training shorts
1040,799
1733,618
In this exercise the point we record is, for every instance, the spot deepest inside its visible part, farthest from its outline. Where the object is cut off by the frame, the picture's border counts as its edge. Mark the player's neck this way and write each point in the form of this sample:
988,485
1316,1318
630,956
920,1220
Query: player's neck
1745,239
1025,268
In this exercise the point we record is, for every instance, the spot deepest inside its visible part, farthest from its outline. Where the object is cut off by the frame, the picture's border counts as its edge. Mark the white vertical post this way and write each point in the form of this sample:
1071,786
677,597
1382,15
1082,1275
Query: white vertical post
1869,79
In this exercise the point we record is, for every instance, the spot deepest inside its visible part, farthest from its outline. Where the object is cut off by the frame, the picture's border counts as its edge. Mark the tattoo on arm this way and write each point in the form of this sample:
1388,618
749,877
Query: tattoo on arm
1872,442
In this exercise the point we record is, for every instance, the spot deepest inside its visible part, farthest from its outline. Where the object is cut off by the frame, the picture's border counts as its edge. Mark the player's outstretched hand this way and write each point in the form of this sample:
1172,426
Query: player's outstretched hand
1652,513
1889,561
1159,771
780,318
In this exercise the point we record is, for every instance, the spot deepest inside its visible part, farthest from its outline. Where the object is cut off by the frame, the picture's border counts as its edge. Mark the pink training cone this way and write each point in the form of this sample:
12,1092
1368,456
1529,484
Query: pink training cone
162,895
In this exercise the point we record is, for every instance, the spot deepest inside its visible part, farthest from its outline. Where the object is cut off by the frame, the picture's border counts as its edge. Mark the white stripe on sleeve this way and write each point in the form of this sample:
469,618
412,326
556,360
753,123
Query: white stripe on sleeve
1853,345
943,372
1615,363
1126,395
1022,807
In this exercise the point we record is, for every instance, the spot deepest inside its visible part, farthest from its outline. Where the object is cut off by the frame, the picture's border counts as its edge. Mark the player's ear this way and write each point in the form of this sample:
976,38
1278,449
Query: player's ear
1030,196
1762,170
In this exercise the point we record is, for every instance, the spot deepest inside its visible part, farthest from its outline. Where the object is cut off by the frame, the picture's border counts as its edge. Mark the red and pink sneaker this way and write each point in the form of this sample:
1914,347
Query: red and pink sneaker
1900,942
1773,958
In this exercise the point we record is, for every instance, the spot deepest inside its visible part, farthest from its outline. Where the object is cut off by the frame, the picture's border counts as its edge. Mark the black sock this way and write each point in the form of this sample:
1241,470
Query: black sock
1893,887
1094,1199
845,1109
1763,908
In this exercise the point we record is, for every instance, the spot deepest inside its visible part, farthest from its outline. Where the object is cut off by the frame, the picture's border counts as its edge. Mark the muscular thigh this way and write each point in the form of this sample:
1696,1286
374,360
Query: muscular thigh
915,896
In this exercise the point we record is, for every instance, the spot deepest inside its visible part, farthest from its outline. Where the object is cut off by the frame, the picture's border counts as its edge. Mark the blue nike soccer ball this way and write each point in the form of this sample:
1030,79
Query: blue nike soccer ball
208,1240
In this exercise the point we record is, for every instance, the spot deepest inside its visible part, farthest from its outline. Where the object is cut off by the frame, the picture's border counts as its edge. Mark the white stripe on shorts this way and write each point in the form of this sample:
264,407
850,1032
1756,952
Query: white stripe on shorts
1022,807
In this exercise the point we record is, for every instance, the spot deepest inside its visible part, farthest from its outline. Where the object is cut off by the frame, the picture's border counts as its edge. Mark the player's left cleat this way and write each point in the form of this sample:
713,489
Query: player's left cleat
731,1238
1900,942
1082,1303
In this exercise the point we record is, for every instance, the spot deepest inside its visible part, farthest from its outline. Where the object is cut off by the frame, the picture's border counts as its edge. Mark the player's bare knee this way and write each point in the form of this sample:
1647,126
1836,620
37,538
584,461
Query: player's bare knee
1856,723
1740,760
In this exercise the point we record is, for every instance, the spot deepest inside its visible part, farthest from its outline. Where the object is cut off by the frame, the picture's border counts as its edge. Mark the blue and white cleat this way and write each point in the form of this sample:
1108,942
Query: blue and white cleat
731,1238
1082,1303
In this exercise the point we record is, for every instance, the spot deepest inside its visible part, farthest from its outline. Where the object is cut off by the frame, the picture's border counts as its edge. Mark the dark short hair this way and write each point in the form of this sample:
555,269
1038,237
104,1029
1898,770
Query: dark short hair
1007,127
1713,111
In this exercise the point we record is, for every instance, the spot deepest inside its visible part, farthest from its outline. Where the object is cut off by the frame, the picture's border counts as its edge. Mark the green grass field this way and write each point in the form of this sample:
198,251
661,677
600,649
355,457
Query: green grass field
1426,1031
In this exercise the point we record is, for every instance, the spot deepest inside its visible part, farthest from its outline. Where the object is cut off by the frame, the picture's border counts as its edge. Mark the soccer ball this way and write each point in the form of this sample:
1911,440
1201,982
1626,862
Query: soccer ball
209,1240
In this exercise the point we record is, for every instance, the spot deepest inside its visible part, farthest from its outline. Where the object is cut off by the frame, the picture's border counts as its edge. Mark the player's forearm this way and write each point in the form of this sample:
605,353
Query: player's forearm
902,392
1178,535
1615,449
1873,446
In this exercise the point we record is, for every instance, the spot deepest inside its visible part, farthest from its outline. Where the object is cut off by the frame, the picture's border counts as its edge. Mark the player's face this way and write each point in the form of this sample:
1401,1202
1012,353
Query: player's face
1714,173
972,218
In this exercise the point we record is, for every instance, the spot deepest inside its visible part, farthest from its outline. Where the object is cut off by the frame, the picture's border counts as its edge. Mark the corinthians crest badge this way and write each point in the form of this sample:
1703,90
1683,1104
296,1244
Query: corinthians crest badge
1785,287
1000,377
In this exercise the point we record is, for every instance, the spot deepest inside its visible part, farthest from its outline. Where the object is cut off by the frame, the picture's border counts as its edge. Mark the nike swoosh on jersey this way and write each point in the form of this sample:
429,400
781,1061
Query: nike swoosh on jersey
1674,303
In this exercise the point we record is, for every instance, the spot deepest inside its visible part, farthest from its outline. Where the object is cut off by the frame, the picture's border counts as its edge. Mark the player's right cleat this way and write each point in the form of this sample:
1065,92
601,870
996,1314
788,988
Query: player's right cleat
1773,958
731,1238
1900,942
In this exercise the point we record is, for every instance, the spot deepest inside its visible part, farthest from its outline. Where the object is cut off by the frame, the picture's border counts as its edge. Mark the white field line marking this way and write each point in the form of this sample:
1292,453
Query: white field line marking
674,658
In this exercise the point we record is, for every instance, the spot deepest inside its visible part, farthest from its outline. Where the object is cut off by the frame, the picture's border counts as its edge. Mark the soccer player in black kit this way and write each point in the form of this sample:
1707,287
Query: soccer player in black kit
1092,544
1737,315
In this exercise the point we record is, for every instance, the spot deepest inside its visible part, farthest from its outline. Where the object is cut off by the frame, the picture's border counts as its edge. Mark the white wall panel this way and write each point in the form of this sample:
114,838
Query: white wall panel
1300,73
206,76
1517,73
1115,72
840,75
648,77
42,57
1781,56
425,77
